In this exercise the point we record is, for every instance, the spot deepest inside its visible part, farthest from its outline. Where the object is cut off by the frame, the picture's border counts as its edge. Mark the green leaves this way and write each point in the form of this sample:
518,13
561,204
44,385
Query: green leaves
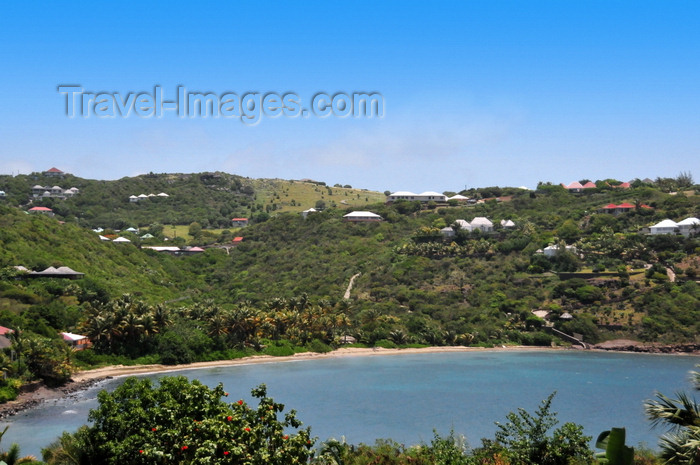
616,452
183,422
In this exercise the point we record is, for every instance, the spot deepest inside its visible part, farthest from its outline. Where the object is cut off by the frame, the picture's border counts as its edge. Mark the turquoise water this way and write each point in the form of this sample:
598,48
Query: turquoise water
405,397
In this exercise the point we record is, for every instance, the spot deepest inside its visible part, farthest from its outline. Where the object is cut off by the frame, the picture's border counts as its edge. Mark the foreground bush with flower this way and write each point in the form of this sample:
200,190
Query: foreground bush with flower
184,422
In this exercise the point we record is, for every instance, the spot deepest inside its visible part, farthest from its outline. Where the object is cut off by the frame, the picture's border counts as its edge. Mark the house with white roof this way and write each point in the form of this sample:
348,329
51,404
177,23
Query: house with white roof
552,250
482,223
447,232
666,226
76,341
121,239
463,225
427,196
362,216
689,226
507,224
306,213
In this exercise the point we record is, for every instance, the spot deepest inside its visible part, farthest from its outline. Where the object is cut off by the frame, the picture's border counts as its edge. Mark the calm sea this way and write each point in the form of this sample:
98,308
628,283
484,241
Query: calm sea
405,397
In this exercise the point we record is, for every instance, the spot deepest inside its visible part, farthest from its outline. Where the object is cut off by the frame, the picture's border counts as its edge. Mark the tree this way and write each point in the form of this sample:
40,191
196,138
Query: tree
681,444
195,229
523,440
11,456
186,422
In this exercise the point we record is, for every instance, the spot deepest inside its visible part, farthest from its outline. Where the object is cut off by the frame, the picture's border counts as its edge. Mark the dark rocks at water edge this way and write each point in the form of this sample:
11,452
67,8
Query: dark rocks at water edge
37,393
634,346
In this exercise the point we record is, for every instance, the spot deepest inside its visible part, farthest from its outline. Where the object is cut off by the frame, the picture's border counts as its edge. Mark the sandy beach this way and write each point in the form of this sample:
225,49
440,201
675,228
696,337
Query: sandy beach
87,378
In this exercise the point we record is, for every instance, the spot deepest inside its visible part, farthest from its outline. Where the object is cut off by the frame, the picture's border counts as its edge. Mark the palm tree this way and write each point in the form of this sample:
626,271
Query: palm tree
681,445
12,455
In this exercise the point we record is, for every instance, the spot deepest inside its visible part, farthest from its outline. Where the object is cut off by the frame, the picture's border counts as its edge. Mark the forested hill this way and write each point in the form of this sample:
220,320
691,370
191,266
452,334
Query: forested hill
287,278
210,199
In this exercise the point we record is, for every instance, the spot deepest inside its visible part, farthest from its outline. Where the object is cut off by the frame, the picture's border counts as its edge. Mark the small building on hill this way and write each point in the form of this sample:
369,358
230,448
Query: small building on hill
239,222
54,173
666,226
76,341
689,226
362,216
62,272
427,196
41,211
482,223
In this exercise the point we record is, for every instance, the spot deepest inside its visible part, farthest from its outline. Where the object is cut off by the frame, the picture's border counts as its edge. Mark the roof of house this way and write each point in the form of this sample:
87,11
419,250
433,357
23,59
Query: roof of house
237,239
403,194
121,239
239,219
60,271
689,222
163,194
610,206
4,330
481,221
507,223
53,170
361,214
574,185
463,224
625,205
431,194
195,249
162,248
103,238
458,197
665,224
40,209
589,185
72,337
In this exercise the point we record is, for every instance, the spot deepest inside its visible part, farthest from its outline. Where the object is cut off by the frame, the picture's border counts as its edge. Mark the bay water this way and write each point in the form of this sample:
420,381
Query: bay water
406,396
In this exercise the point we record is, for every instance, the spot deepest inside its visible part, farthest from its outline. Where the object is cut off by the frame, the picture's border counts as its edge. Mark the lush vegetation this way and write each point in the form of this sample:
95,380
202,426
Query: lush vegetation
181,421
282,289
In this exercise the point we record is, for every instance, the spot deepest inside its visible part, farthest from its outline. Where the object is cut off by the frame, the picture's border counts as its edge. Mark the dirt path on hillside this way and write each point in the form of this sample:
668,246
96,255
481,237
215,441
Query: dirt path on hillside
352,281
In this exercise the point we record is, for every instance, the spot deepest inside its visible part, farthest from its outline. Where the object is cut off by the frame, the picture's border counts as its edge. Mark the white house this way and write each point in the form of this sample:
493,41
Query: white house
552,250
664,227
121,239
133,199
458,198
447,232
689,226
361,216
507,223
463,225
422,197
482,223
305,213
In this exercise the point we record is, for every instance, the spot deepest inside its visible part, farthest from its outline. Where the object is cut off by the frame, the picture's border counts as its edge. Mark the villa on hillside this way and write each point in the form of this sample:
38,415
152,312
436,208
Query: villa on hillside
578,187
62,272
239,222
685,227
76,341
622,208
422,197
362,216
53,192
551,250
482,223
42,211
54,172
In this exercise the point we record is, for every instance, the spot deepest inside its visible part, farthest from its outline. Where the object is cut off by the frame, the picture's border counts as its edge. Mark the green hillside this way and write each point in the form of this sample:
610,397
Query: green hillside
210,199
282,288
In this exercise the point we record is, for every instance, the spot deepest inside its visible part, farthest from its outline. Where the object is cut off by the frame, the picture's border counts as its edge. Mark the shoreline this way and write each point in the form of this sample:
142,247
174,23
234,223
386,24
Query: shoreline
83,380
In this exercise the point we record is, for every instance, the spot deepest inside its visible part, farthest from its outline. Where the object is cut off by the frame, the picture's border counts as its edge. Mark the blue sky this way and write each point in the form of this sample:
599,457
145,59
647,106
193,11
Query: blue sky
477,93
